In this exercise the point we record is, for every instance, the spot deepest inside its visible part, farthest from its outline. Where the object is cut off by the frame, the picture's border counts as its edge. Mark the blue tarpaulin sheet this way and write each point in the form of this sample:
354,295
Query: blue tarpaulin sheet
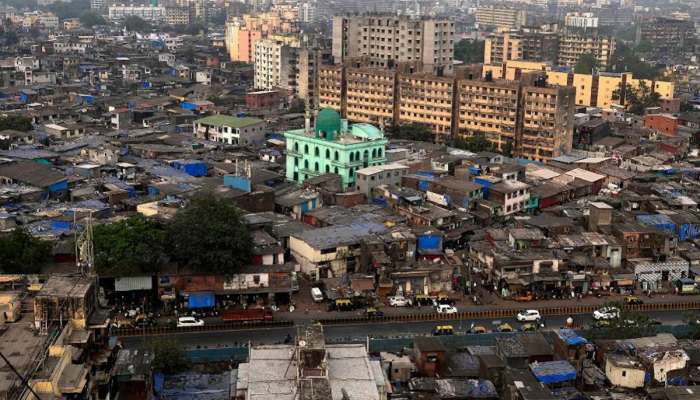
553,371
201,300
571,338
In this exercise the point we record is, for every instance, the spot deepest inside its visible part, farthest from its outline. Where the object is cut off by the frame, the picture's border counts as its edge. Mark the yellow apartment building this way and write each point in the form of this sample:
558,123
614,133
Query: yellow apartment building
488,108
426,99
370,95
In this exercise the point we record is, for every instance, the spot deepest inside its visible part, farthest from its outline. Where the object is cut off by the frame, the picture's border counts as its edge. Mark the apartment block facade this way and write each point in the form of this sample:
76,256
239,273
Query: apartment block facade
386,40
500,17
276,60
575,42
526,44
534,118
592,90
427,100
370,95
664,33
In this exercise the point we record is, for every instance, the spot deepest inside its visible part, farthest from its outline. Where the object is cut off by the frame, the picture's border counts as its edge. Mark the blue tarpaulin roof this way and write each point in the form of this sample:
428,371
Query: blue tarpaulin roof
201,300
571,337
553,371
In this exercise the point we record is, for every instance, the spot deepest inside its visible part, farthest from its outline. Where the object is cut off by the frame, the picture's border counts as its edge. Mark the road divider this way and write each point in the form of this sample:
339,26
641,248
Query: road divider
223,326
509,313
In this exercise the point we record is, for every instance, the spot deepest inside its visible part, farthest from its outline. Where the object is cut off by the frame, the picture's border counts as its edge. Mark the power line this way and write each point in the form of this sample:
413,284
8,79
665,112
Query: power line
21,378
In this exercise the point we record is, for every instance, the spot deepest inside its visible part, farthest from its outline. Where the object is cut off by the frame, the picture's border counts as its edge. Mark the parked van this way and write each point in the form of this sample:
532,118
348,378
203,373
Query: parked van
316,294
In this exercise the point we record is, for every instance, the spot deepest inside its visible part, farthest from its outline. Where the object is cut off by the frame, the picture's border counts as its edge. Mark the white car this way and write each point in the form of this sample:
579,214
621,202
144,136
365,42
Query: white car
606,313
184,322
399,301
446,309
528,316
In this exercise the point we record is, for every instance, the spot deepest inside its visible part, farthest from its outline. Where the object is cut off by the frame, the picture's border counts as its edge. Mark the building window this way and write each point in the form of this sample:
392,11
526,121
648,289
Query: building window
328,168
352,157
328,154
296,162
335,170
366,154
306,149
296,147
306,164
316,152
374,153
336,155
316,167
379,153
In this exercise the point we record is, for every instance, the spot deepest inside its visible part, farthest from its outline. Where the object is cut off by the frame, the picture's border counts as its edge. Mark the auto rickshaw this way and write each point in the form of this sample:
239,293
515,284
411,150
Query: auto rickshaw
442,330
343,305
423,300
505,327
633,300
478,329
524,297
372,312
444,299
529,327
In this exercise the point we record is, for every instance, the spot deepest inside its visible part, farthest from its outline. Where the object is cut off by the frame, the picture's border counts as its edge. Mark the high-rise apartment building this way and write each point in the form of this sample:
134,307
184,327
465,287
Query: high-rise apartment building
581,36
665,33
524,44
147,13
387,40
369,95
535,118
177,15
241,33
311,57
276,60
500,17
427,99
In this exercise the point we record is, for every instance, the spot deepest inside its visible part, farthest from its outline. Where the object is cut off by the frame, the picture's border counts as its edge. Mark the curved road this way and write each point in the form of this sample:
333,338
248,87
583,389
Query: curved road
359,332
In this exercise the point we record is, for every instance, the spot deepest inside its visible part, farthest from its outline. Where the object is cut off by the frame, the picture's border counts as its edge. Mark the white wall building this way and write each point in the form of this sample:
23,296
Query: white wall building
147,13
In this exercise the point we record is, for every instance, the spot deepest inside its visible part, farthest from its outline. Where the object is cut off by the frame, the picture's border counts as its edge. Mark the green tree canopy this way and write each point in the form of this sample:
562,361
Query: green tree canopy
132,246
586,64
90,18
209,236
21,253
69,9
168,356
470,51
15,122
474,144
411,132
138,24
625,59
637,99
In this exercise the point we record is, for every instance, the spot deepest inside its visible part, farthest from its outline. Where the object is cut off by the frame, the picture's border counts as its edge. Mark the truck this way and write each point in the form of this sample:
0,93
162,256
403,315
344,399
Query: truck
249,315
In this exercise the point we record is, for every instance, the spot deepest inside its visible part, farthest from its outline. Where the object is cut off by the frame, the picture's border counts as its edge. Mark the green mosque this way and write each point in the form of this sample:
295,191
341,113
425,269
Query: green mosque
333,146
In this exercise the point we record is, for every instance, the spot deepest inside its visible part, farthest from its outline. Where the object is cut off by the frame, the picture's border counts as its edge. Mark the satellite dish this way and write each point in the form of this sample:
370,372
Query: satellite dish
302,343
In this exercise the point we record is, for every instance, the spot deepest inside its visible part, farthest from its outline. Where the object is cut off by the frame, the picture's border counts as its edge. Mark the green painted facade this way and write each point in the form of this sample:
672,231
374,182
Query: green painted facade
333,147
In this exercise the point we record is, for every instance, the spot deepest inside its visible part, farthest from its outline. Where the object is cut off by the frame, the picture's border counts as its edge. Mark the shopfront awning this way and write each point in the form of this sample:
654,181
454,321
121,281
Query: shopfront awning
201,300
131,283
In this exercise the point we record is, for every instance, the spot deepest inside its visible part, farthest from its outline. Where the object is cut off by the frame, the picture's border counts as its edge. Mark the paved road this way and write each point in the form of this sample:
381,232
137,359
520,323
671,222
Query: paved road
359,332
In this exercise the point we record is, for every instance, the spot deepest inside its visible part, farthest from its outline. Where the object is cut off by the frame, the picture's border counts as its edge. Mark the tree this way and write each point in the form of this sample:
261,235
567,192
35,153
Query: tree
507,149
476,143
69,9
22,253
586,64
637,99
411,132
470,51
168,356
209,236
133,246
89,18
625,59
15,122
138,24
